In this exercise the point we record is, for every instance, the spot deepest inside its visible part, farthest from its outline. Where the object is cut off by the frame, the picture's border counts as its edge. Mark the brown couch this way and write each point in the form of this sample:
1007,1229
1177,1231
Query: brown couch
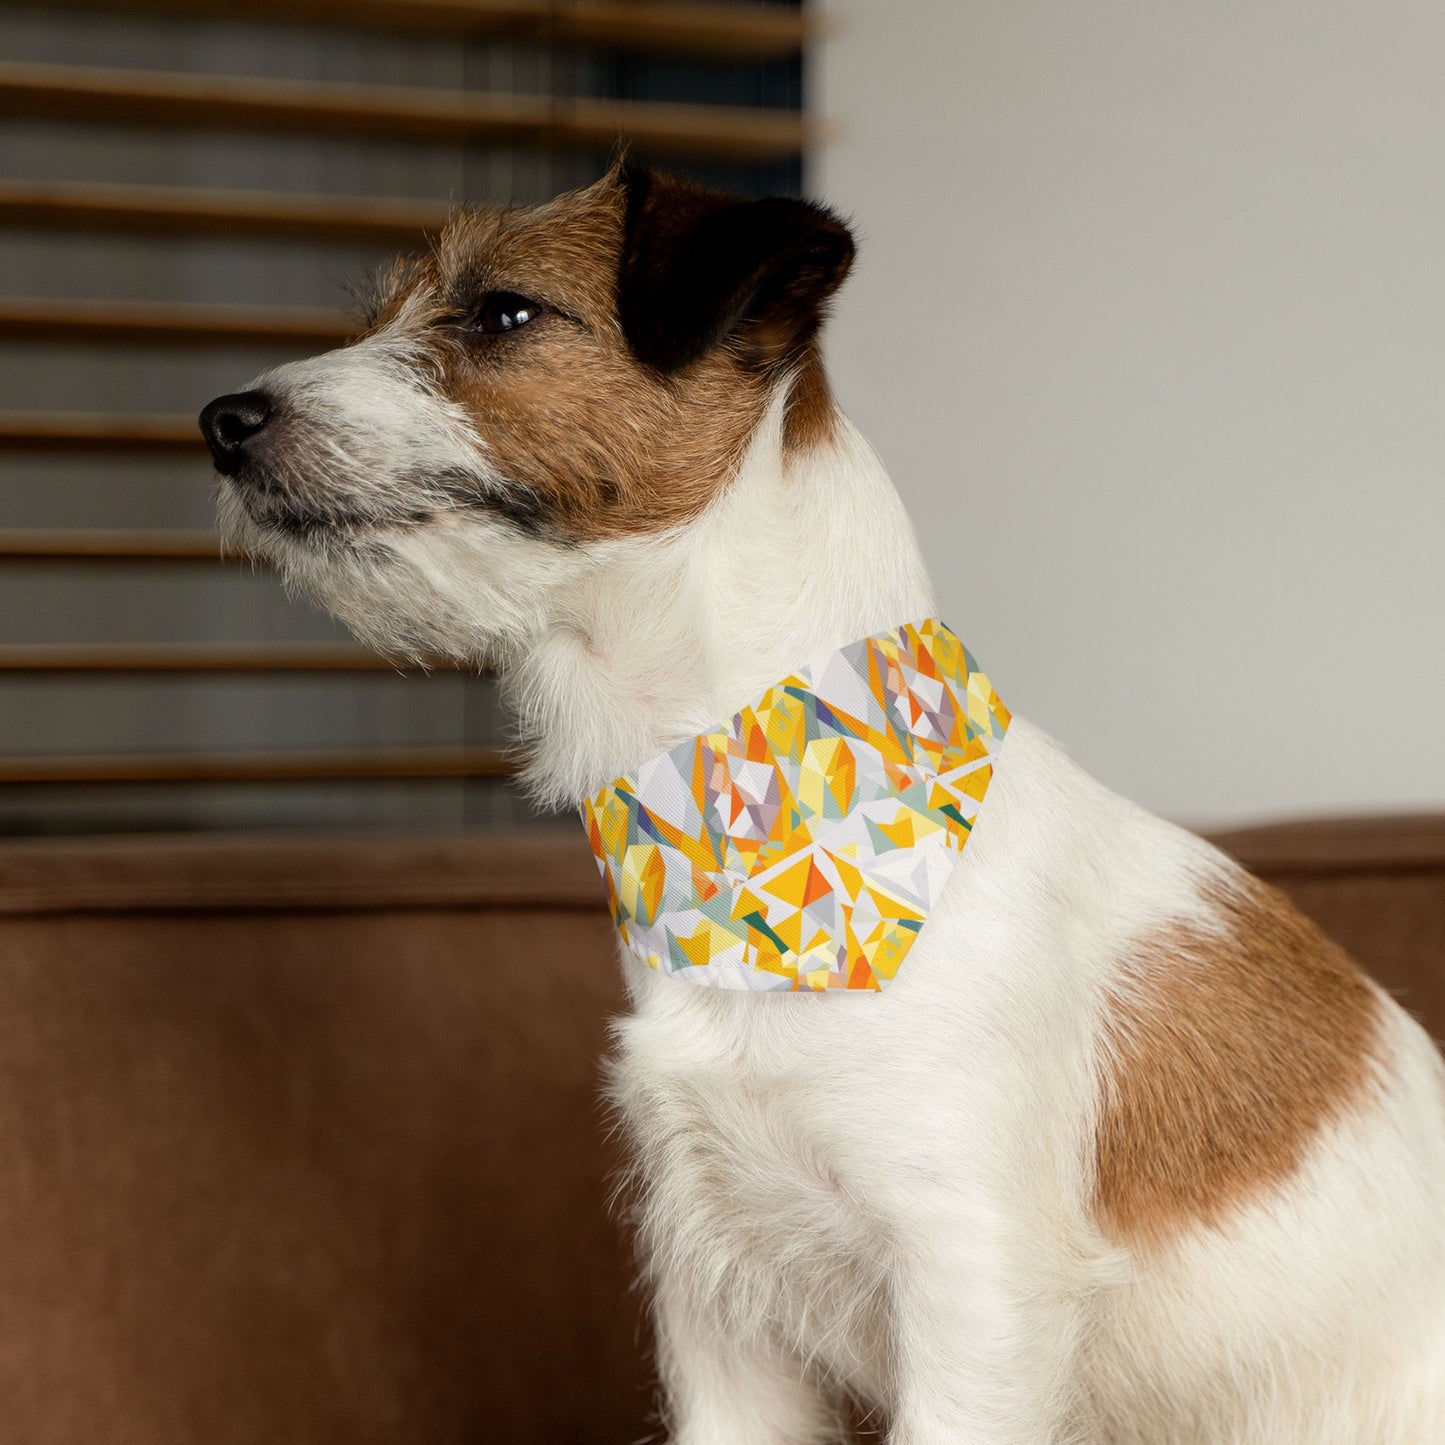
302,1140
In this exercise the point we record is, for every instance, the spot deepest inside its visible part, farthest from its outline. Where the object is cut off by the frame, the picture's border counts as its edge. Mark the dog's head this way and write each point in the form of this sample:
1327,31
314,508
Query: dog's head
544,383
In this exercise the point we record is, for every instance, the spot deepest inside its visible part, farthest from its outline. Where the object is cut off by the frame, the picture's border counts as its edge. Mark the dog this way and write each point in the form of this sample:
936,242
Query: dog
1127,1151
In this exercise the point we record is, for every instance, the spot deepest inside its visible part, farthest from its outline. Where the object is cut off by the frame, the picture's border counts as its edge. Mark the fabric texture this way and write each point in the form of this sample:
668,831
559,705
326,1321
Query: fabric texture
800,846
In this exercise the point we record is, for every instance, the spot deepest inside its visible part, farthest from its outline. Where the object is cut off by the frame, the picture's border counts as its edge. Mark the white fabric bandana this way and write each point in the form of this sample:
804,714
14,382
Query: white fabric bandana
800,846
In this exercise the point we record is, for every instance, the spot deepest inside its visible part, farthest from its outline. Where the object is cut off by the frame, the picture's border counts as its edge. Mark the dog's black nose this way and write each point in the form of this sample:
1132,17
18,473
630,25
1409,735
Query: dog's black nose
229,422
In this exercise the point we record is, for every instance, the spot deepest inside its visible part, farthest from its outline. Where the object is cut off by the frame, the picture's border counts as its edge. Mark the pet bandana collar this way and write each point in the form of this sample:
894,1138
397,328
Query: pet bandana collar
799,847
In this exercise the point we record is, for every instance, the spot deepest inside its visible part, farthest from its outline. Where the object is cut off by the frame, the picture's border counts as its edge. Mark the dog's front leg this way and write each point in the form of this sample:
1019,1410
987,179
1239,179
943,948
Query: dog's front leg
724,1387
985,1335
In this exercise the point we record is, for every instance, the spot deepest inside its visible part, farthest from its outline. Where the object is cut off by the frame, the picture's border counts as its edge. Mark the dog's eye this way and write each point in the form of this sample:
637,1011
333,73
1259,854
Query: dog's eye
504,311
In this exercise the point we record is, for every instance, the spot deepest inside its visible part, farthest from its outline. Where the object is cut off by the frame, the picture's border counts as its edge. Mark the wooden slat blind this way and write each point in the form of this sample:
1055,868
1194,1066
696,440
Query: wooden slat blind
190,657
171,211
83,544
723,30
173,324
272,766
222,102
83,431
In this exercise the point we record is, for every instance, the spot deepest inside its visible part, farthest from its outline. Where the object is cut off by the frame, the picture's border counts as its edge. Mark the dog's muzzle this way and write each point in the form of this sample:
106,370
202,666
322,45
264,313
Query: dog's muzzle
230,423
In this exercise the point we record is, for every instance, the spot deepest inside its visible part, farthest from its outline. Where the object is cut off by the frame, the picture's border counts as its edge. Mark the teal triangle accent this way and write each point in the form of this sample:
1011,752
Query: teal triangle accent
915,797
675,955
756,920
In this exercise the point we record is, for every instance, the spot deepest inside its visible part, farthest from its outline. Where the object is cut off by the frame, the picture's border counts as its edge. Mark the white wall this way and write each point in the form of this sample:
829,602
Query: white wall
1149,324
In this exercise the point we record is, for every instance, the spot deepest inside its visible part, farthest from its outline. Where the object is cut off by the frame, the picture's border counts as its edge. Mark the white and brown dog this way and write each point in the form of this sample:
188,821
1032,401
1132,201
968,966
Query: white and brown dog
1128,1153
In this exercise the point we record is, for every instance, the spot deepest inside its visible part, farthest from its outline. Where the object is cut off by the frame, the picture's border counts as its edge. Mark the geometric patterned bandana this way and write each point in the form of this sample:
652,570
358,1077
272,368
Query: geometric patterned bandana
800,846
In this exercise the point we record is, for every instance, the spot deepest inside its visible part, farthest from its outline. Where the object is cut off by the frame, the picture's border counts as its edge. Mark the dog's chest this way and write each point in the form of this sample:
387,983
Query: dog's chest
754,1175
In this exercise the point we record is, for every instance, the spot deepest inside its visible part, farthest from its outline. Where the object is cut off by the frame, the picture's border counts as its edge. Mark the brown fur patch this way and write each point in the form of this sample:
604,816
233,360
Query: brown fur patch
812,415
1227,1053
605,446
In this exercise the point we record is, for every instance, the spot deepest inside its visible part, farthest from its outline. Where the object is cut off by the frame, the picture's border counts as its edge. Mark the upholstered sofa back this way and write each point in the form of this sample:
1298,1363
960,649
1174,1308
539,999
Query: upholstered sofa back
301,1141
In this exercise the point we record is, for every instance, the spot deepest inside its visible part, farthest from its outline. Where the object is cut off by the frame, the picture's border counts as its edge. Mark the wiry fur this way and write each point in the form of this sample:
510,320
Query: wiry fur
895,1196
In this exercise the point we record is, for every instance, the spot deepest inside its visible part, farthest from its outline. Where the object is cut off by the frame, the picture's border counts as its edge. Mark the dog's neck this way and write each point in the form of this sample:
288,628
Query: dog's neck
806,550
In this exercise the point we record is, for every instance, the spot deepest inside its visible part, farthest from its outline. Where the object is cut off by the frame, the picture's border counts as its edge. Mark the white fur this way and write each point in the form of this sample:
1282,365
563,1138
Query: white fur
890,1194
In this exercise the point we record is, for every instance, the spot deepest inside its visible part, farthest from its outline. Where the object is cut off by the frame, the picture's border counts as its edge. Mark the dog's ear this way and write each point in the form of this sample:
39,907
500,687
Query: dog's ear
699,266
